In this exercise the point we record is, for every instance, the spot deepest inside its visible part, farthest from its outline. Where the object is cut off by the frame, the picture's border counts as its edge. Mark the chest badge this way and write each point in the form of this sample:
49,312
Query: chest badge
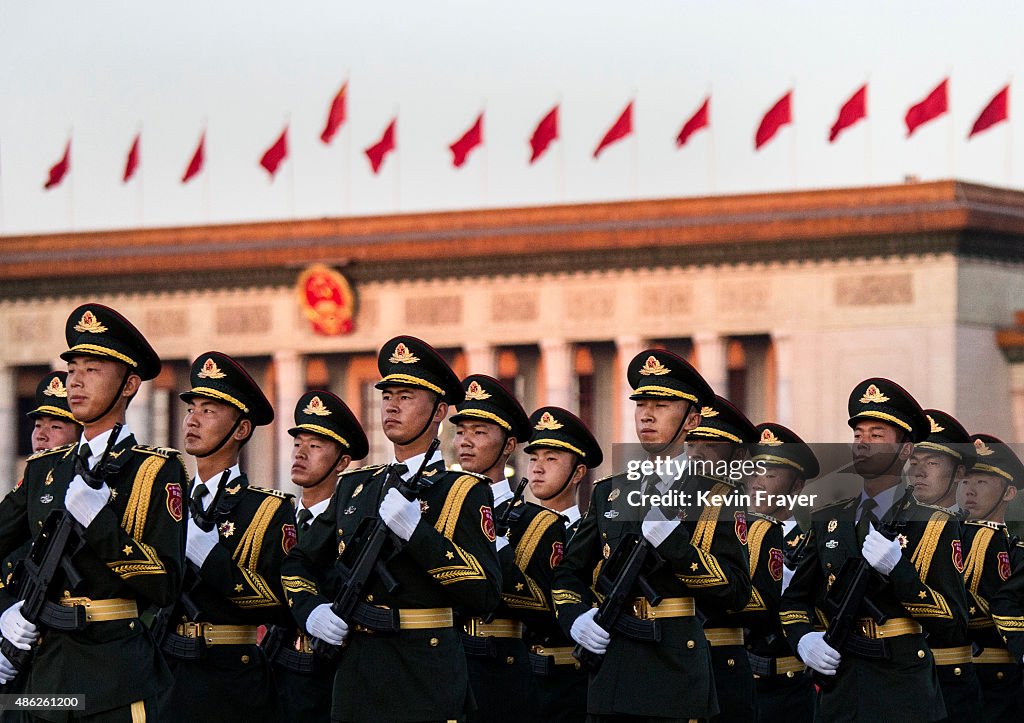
606,551
832,525
903,541
46,499
424,506
357,490
611,514
349,510
227,529
832,544
614,494
49,478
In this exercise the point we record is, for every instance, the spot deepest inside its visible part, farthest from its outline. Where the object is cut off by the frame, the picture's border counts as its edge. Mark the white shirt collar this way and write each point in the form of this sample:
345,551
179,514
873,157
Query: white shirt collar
787,526
885,500
99,443
677,466
501,491
413,463
213,484
571,514
316,510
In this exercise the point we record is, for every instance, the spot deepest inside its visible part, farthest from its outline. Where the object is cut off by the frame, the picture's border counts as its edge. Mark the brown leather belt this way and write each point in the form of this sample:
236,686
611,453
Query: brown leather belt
500,628
219,634
99,611
952,656
894,628
718,637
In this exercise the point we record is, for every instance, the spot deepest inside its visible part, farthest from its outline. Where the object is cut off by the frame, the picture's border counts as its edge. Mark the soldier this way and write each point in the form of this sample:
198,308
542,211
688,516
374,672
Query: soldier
656,662
327,438
561,450
914,579
54,425
489,424
992,482
718,444
935,470
784,462
132,529
443,556
238,535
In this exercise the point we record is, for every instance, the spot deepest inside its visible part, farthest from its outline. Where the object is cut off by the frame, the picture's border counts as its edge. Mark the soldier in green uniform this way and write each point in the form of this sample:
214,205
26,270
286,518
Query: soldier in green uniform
656,662
886,670
327,438
719,441
403,658
784,464
133,532
996,619
561,450
53,423
238,535
935,470
489,424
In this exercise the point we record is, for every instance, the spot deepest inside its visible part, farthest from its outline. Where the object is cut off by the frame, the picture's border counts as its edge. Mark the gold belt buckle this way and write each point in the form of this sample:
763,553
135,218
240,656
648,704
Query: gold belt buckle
192,630
304,644
73,601
868,629
642,608
472,627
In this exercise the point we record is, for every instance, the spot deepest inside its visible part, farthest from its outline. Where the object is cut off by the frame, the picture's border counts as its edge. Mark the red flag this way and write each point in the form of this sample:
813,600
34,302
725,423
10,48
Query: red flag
59,169
336,116
997,110
196,164
852,111
381,148
700,119
619,130
544,134
777,116
132,164
274,155
469,140
928,109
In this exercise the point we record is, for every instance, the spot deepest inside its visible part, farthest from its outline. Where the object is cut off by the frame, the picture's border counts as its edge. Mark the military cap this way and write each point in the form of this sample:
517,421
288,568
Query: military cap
410,362
883,399
219,377
488,400
99,331
52,397
779,446
660,374
995,456
557,428
948,436
722,420
321,412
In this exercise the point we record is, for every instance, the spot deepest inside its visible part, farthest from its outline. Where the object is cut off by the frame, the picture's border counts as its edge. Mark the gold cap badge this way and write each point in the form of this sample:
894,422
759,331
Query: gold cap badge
708,412
983,449
653,366
935,426
476,392
317,408
547,422
89,323
402,355
210,370
56,389
873,395
769,439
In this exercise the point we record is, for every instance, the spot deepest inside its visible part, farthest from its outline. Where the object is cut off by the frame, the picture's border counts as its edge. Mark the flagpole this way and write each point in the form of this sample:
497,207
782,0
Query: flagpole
347,152
867,131
71,187
485,169
560,179
952,127
142,174
792,140
712,180
1009,135
3,214
206,178
398,164
635,175
291,166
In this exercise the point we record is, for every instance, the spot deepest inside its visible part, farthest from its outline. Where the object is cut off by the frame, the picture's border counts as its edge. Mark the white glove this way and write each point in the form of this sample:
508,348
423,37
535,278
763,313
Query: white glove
199,543
818,654
7,671
589,634
324,624
19,632
399,514
657,531
881,552
501,542
84,502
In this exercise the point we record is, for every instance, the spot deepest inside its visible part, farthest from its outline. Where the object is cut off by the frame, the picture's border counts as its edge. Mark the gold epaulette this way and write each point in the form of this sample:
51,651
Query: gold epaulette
987,523
935,507
361,469
761,516
165,452
272,493
52,450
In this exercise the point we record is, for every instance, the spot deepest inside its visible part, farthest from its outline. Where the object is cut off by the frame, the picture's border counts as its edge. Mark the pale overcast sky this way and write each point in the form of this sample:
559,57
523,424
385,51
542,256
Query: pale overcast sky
102,71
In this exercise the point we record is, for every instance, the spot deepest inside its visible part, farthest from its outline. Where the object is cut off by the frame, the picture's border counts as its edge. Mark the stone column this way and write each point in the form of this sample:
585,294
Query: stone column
9,428
1017,400
556,355
480,358
782,342
289,385
711,360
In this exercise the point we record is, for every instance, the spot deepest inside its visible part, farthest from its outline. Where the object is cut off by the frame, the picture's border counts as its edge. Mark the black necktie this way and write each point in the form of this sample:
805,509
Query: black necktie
304,518
867,517
84,453
401,469
199,492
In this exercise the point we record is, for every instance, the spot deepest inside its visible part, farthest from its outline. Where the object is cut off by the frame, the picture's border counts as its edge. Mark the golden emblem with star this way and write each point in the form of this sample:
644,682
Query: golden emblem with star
402,355
475,392
547,422
873,395
654,367
89,323
227,529
769,439
708,412
317,408
56,388
210,370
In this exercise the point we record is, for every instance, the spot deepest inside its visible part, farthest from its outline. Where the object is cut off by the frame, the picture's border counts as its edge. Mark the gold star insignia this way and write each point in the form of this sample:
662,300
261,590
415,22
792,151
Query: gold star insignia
128,550
972,610
450,555
423,506
113,494
519,586
694,567
238,588
922,595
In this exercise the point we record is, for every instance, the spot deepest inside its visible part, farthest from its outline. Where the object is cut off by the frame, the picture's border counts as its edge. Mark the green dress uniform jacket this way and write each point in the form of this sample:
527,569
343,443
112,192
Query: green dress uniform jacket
706,559
995,618
239,583
134,549
418,673
923,589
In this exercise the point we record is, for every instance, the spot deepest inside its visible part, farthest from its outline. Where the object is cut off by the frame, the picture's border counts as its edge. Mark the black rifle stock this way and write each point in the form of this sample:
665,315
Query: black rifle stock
501,525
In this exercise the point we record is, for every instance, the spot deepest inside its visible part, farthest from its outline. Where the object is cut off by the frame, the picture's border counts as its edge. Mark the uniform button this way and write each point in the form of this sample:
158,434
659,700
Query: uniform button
828,565
369,598
245,660
920,653
510,660
789,674
957,671
999,675
576,665
131,625
434,642
690,644
731,663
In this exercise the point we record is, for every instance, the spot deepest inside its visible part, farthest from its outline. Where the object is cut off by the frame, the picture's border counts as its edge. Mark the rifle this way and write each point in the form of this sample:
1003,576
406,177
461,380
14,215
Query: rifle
357,568
850,593
624,572
502,524
35,577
